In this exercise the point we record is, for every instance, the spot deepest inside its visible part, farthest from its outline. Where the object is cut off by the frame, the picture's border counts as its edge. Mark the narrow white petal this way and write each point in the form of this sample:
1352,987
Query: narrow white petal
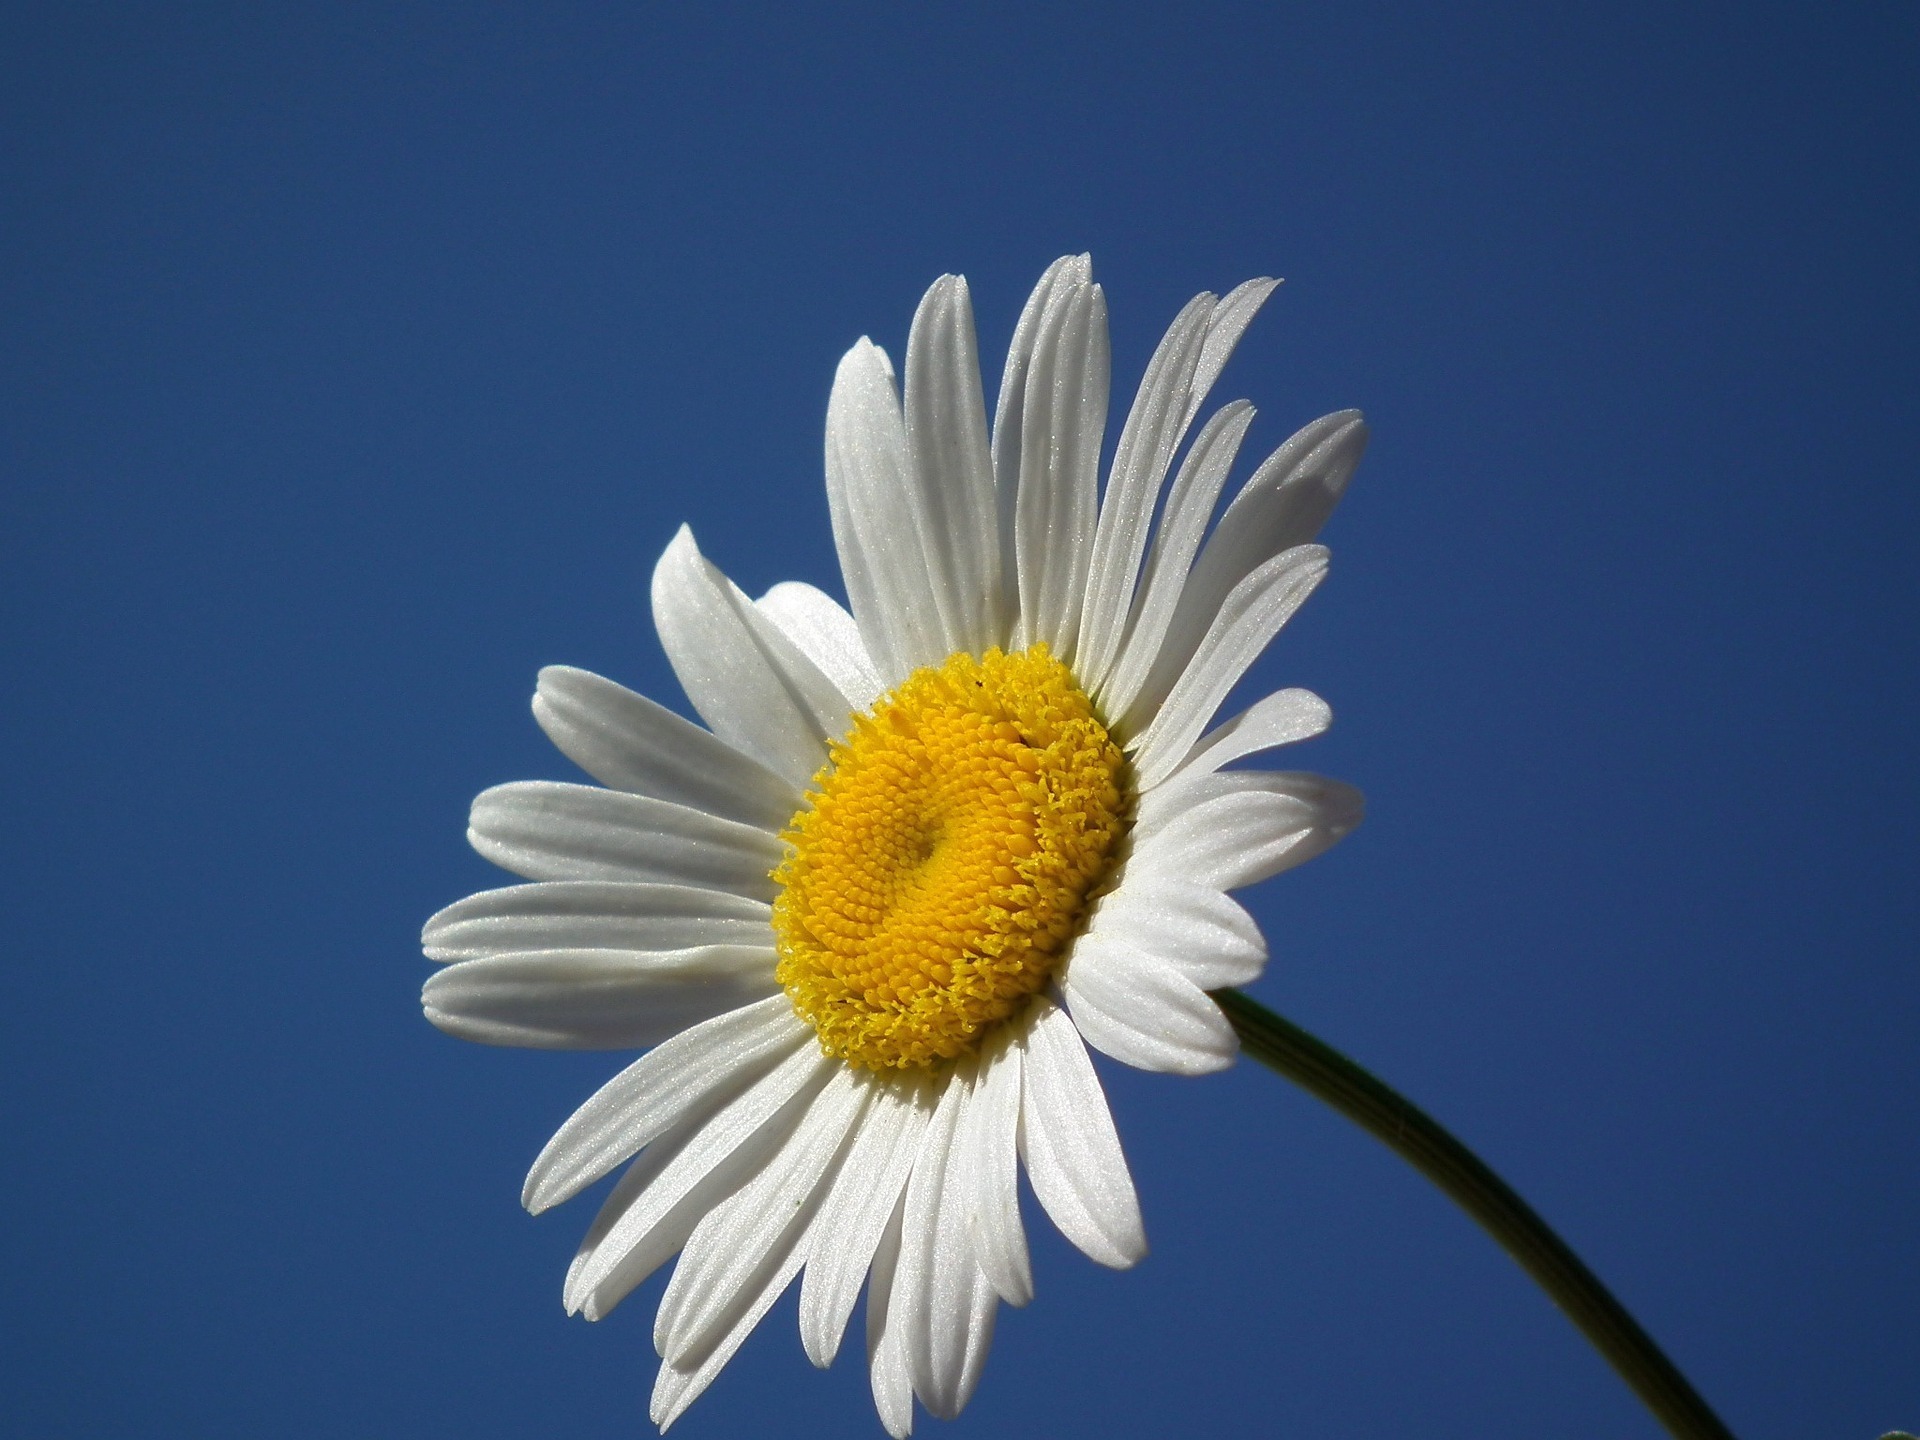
1183,369
826,635
866,1193
1009,419
645,1168
878,526
990,1169
972,1339
1202,932
953,468
595,999
1058,500
1153,430
675,1389
1183,525
1245,825
743,1241
891,1378
1230,320
1067,1139
1143,1012
1285,503
911,1306
545,830
1250,617
694,1074
940,1295
748,681
626,741
1282,718
725,1153
592,915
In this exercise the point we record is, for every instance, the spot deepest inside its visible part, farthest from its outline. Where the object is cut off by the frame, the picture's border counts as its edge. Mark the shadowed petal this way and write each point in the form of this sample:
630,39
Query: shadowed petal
626,741
1144,1012
595,999
593,915
1072,1154
752,684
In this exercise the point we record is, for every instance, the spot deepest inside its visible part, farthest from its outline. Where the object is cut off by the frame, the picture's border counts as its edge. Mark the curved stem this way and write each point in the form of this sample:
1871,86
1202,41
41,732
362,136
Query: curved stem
1420,1140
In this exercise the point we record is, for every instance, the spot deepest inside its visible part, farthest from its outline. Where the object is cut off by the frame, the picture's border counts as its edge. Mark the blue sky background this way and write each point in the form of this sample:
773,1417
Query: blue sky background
360,360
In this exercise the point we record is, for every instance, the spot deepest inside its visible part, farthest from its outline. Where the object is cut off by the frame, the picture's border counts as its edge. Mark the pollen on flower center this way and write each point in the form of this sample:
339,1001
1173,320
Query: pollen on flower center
944,857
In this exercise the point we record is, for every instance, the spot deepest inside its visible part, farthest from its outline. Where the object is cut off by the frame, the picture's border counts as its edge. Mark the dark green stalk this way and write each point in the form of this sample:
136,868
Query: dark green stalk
1420,1140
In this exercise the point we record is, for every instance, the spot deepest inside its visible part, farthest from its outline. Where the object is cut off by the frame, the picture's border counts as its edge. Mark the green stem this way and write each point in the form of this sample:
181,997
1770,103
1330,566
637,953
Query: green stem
1391,1117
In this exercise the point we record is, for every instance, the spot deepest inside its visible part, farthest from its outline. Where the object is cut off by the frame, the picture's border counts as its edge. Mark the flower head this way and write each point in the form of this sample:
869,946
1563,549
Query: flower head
927,852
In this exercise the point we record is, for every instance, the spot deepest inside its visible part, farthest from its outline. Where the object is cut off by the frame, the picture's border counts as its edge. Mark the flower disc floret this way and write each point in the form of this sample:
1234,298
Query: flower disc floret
945,856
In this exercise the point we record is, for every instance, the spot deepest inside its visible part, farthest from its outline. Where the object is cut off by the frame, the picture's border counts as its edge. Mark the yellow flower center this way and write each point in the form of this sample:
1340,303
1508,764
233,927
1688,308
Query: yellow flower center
944,856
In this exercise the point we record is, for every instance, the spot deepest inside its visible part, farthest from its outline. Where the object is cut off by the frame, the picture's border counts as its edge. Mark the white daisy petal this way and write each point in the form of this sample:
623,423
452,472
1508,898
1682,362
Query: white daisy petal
1153,430
866,1195
1229,322
743,1241
1143,1012
1177,381
946,421
545,830
592,915
990,1169
645,1168
675,1389
747,680
877,527
971,1342
1009,416
1282,718
1202,932
1285,503
1057,504
628,742
940,1296
1067,1140
911,1305
826,635
694,1074
1189,506
891,1378
1243,826
1250,617
723,1154
595,999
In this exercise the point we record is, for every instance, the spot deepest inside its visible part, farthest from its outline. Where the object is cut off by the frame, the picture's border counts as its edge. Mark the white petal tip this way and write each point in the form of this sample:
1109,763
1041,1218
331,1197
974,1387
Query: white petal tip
578,1298
1126,1251
820,1347
863,354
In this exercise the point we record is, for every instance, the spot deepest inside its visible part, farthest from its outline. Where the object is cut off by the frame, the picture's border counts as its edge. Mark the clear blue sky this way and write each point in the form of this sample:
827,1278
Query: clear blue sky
359,360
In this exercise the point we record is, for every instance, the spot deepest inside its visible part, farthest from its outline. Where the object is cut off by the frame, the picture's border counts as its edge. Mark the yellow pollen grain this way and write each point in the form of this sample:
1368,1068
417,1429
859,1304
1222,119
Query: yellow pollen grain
944,856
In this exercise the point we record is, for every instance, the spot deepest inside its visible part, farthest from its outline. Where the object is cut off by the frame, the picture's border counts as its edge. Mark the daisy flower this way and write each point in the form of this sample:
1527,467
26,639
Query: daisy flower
927,850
